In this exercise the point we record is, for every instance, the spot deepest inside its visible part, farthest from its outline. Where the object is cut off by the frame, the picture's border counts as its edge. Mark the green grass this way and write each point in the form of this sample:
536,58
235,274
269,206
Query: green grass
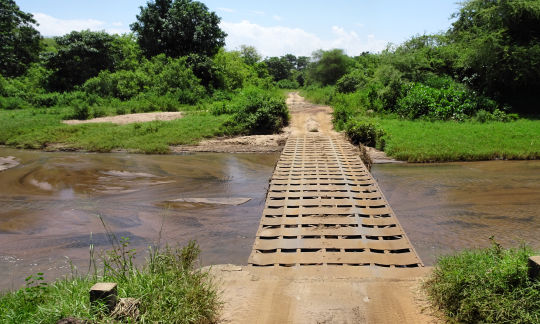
486,286
170,288
422,141
38,128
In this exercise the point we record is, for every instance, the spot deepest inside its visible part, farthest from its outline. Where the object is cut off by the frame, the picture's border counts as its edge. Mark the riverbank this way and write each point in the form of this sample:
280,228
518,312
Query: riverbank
447,141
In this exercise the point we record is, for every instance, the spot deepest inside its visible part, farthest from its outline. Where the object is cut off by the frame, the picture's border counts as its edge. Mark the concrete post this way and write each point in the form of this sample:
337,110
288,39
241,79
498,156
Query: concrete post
104,292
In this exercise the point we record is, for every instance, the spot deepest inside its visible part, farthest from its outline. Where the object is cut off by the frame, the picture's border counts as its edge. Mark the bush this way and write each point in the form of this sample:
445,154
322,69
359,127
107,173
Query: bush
454,102
351,82
81,110
287,84
260,111
365,132
12,103
486,286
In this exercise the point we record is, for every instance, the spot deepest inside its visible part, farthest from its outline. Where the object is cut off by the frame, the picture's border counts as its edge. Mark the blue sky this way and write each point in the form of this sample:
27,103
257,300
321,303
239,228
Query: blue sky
273,27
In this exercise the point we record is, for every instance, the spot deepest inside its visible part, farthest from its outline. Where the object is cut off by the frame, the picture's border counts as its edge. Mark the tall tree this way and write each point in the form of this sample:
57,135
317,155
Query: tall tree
499,43
329,66
19,40
82,55
178,28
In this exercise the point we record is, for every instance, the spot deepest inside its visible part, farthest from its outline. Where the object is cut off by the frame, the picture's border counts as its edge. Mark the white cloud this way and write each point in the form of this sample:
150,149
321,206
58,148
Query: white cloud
278,40
51,26
276,17
226,10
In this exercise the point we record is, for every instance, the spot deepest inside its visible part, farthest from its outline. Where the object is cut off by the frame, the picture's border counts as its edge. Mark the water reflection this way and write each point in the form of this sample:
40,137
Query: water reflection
449,207
50,202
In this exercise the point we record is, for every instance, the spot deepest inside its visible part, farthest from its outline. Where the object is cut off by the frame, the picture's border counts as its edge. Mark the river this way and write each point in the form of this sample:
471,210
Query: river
50,205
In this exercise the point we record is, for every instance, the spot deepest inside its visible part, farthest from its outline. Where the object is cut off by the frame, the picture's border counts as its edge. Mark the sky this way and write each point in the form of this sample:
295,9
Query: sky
275,27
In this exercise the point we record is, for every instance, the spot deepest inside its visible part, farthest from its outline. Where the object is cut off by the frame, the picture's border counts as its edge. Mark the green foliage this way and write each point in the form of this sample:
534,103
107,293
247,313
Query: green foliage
351,82
233,72
499,43
259,111
486,286
287,84
178,28
440,141
170,286
161,75
81,55
250,55
365,132
19,40
328,67
279,68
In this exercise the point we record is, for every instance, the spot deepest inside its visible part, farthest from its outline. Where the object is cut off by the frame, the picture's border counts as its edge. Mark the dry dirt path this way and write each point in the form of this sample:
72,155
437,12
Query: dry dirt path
329,248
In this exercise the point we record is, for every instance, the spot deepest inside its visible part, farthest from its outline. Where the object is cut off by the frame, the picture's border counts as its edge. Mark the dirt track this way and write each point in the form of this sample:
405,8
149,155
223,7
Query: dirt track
322,293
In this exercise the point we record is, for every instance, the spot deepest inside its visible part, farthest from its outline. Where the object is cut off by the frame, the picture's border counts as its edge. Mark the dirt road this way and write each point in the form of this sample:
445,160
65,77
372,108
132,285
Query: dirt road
278,287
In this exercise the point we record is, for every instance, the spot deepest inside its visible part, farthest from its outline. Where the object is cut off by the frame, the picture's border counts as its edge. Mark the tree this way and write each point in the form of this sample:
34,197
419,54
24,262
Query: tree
499,46
279,67
82,55
329,66
249,54
178,28
19,40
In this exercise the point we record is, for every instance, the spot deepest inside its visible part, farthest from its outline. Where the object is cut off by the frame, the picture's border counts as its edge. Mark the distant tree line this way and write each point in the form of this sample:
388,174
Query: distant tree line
489,60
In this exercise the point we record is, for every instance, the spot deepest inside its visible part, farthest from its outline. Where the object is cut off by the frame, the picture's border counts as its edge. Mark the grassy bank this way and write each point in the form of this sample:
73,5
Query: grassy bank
250,111
169,287
431,141
37,129
422,141
486,286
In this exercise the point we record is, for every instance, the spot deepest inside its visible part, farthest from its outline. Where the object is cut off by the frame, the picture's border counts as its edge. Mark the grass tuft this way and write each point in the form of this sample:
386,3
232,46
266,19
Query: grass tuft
170,286
486,286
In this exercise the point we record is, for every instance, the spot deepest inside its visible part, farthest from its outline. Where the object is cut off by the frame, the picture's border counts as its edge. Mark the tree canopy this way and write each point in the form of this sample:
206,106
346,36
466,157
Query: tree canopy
82,55
178,28
19,40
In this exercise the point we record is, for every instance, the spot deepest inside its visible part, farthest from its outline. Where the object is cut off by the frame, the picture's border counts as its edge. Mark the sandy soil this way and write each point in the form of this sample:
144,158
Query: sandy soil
8,163
319,295
129,118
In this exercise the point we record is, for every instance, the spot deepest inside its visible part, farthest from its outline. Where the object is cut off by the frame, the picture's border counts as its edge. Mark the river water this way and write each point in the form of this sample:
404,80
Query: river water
453,206
50,205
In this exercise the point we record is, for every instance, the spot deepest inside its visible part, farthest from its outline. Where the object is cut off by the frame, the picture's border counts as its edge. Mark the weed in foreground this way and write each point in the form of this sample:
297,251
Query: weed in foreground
170,286
486,286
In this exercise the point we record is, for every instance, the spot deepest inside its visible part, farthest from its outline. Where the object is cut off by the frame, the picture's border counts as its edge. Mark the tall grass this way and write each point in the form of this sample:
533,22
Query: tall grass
486,286
170,286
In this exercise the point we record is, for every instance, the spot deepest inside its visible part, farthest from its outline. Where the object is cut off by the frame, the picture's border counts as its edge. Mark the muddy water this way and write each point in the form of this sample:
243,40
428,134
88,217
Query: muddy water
50,202
449,207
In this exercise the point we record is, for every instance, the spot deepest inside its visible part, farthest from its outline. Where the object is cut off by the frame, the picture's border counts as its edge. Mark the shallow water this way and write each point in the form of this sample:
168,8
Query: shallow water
452,206
50,202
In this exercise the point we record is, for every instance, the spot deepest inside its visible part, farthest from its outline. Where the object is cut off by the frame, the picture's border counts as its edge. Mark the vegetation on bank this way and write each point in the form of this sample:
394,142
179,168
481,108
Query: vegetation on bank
486,286
170,287
466,94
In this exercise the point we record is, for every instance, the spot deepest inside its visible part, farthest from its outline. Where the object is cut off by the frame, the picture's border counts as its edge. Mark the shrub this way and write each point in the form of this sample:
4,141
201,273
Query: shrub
12,103
81,110
365,132
486,286
351,82
287,84
455,102
260,111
